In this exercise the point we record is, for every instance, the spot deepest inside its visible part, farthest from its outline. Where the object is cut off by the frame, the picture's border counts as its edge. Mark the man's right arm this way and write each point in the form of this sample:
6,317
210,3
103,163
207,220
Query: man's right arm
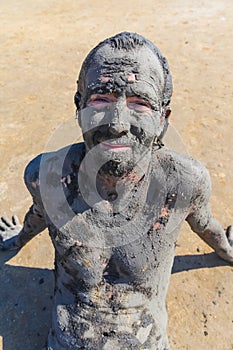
203,222
12,234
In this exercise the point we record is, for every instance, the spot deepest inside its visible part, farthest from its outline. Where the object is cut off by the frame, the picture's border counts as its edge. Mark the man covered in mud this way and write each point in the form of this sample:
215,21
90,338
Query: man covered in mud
114,204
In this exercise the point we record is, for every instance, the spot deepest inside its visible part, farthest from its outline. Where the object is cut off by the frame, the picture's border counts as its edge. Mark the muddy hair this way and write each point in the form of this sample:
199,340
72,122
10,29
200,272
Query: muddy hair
126,41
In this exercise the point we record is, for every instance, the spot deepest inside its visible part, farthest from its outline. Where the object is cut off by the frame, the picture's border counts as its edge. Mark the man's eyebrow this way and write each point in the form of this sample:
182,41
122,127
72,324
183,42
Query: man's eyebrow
100,88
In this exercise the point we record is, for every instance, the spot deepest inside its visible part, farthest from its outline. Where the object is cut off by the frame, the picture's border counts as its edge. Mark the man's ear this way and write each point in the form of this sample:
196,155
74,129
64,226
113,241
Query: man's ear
77,100
167,111
165,116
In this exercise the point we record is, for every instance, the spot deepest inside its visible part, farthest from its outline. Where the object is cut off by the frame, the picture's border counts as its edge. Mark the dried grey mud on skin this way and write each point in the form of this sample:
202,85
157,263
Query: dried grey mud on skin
64,137
114,217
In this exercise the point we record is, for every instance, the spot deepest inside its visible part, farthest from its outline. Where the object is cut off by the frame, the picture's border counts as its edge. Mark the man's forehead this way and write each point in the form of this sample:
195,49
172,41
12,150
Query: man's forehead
134,72
140,61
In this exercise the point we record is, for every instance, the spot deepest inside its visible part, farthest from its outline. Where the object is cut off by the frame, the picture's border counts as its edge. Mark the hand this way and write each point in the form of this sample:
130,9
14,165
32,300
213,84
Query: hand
227,254
9,231
229,234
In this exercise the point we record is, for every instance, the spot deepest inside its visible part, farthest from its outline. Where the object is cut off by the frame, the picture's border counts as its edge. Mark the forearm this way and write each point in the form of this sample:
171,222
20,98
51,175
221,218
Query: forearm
34,223
213,234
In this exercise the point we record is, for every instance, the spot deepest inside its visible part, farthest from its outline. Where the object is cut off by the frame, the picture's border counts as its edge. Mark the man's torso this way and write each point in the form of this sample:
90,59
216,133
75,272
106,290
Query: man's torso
113,267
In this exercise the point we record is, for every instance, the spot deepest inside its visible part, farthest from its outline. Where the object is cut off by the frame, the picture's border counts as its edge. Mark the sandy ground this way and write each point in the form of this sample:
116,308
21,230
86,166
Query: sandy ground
42,46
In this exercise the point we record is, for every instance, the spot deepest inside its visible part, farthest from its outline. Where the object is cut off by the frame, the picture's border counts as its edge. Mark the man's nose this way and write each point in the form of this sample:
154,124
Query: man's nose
120,120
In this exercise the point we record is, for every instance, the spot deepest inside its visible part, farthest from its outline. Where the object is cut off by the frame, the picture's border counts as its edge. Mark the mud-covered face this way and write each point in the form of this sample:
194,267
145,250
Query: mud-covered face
122,103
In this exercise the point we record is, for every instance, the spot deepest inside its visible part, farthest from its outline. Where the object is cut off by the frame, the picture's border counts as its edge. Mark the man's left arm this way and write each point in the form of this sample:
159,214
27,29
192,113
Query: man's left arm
202,221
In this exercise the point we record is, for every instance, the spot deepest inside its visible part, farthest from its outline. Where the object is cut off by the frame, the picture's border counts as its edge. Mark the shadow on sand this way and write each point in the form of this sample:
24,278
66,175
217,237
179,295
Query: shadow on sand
25,305
194,262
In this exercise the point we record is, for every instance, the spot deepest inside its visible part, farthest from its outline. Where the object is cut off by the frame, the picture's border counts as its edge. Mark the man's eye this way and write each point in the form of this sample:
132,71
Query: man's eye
142,103
97,101
102,99
140,106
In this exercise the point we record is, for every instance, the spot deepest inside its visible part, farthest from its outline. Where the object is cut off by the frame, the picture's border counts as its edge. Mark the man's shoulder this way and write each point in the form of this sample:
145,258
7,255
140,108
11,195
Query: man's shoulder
188,170
185,175
61,161
180,162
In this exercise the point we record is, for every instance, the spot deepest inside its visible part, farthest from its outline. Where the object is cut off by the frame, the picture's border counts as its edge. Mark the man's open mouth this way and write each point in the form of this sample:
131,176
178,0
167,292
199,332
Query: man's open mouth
116,147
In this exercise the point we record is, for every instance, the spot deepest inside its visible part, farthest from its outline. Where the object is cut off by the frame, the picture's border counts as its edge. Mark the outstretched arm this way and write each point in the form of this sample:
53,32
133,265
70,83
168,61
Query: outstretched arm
15,236
12,234
202,221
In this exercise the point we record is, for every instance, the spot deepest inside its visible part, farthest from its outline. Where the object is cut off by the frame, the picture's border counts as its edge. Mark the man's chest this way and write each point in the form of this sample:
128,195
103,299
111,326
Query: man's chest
114,249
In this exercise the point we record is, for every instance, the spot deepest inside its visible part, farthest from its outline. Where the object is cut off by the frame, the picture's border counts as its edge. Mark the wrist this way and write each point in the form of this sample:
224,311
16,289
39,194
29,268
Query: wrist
226,254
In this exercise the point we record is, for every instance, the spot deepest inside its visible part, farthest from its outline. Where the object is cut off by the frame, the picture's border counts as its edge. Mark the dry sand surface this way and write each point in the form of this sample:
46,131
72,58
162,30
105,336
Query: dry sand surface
42,46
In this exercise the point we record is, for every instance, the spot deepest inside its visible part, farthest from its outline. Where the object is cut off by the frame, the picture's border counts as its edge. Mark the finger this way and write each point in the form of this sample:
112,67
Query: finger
229,233
15,220
3,227
6,221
